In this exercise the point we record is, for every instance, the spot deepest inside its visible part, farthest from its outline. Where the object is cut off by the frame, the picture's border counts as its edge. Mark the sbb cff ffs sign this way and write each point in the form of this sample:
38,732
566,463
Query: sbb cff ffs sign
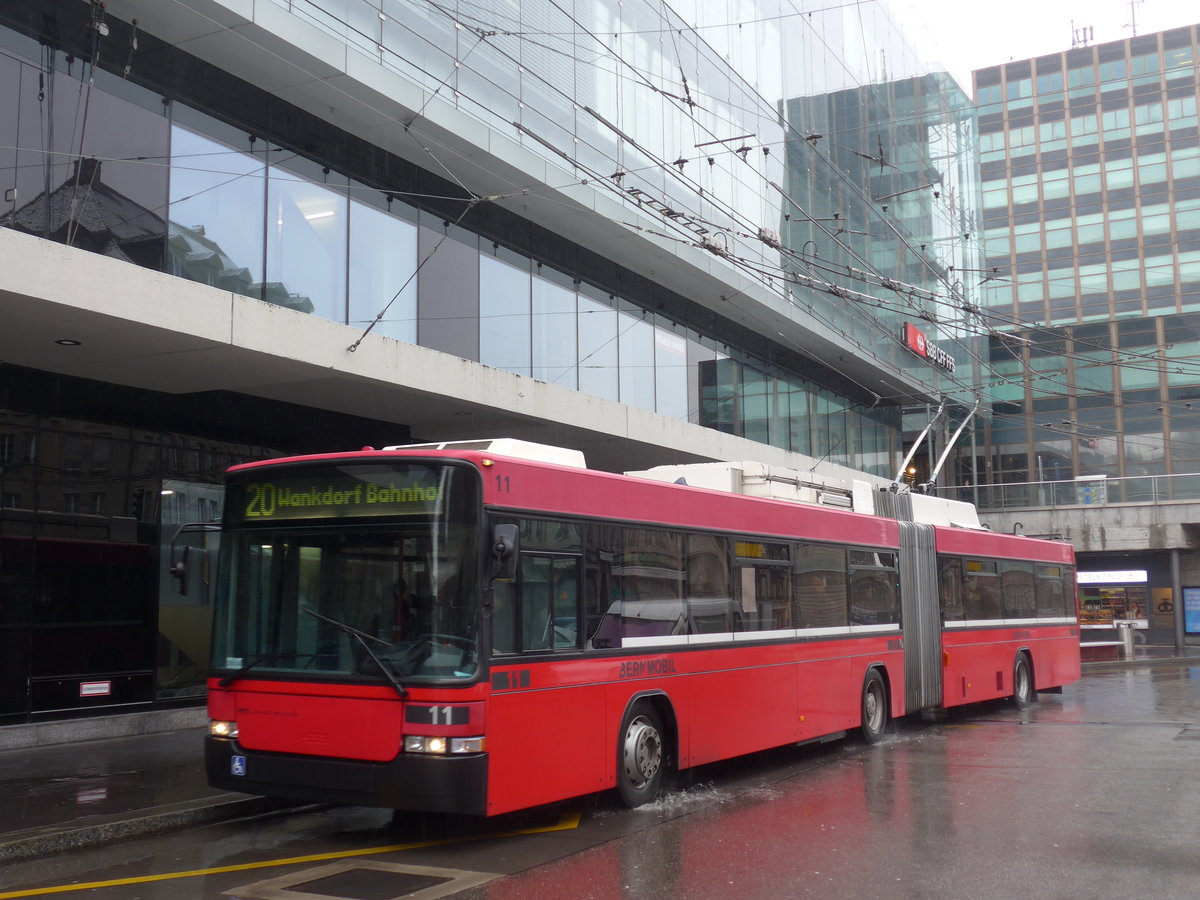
914,340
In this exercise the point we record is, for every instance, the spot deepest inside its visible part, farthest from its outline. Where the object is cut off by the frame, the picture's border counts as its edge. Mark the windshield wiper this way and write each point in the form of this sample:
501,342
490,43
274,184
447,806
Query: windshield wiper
254,661
362,638
261,658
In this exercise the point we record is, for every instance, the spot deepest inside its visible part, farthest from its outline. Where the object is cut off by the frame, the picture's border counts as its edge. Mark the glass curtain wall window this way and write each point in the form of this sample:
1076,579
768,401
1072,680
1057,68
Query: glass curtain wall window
555,330
505,337
306,243
218,204
383,265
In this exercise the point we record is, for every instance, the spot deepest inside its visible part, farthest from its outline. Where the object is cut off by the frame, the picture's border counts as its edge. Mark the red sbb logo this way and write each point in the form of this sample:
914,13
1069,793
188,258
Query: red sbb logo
916,341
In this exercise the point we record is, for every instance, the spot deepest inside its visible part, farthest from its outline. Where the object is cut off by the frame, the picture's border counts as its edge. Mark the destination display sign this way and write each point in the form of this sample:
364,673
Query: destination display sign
325,492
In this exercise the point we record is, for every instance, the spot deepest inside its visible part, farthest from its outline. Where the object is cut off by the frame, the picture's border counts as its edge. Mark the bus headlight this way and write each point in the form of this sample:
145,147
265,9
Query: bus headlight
441,746
218,728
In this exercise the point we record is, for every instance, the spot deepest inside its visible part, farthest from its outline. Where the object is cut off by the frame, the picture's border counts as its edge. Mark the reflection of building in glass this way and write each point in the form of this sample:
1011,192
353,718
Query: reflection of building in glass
84,212
87,515
894,206
897,158
193,256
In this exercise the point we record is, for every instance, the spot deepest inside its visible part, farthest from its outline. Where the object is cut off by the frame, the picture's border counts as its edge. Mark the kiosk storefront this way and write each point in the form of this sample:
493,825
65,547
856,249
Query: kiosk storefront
1114,599
1106,598
1114,612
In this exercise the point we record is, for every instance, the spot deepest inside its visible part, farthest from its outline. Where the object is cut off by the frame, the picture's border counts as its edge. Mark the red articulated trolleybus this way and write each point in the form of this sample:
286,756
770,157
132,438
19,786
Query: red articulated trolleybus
470,628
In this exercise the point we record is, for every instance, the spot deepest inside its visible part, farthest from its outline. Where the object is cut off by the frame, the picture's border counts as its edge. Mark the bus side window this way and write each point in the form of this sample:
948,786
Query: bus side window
764,597
1051,591
951,585
709,592
565,603
1017,582
981,590
821,586
601,596
594,606
873,588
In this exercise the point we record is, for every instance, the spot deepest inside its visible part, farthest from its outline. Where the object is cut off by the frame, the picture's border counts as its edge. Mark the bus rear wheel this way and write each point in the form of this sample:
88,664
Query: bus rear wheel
874,707
1023,693
641,756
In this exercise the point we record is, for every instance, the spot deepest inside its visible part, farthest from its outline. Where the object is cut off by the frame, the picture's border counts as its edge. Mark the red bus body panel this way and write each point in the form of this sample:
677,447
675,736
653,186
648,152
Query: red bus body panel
558,736
1003,546
546,489
978,663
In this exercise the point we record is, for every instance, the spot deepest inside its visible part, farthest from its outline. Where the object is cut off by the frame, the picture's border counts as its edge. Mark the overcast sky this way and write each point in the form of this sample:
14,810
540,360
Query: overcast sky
973,34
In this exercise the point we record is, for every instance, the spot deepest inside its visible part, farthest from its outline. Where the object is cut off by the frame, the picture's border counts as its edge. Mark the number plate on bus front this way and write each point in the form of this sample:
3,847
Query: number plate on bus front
437,715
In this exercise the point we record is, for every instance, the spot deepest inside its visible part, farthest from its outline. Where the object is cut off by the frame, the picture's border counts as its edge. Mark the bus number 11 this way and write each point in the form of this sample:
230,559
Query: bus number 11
438,715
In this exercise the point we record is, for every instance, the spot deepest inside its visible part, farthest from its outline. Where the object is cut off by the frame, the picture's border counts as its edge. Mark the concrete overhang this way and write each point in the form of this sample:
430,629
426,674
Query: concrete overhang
1106,528
153,331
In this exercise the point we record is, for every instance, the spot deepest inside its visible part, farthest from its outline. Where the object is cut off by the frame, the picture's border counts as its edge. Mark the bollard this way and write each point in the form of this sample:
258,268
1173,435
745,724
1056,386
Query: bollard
1126,631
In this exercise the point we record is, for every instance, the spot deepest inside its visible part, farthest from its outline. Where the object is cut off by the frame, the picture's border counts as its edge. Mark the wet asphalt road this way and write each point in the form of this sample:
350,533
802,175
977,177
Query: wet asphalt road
1092,793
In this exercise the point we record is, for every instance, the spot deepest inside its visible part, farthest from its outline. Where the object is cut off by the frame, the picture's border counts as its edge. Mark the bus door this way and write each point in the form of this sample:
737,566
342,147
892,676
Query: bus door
920,618
547,722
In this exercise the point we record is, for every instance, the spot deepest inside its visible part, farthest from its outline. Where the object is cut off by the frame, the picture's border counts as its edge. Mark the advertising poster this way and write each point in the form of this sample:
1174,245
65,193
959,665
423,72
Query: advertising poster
1162,609
1191,610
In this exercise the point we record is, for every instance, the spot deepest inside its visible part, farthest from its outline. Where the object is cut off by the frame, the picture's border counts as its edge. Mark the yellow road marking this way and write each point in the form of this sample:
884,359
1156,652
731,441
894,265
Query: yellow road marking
568,822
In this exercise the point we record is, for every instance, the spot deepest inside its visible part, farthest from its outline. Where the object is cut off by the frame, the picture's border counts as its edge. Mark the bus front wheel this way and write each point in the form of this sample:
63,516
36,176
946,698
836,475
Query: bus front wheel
874,707
641,756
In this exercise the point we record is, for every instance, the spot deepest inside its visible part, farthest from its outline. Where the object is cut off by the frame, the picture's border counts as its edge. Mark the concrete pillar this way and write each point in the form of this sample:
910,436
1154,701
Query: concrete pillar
1177,591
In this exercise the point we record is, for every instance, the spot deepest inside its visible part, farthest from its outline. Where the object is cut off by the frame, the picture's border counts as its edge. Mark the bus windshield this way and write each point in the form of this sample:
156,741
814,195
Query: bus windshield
349,572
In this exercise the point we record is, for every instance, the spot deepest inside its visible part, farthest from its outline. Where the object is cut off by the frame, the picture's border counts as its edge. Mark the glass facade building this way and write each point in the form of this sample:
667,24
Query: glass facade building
723,226
1090,171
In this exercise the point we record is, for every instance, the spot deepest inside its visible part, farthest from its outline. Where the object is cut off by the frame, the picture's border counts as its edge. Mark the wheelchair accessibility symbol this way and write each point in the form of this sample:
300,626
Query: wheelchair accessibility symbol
237,765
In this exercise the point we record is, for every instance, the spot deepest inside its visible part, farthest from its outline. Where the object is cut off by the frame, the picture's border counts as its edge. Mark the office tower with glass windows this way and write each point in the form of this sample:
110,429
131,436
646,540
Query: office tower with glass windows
1090,170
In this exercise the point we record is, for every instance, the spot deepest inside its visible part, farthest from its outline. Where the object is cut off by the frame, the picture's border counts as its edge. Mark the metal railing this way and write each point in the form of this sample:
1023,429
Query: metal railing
1081,492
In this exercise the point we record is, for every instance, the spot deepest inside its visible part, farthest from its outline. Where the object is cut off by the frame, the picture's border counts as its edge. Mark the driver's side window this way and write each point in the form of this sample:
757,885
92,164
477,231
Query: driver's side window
537,630
540,610
504,618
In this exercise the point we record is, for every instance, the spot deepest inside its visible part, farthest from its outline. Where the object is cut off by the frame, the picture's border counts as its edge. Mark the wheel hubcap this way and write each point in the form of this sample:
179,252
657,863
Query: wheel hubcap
872,708
643,752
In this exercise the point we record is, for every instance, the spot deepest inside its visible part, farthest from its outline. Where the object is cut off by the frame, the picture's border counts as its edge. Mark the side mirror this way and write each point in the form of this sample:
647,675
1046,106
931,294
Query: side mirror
179,569
505,550
180,551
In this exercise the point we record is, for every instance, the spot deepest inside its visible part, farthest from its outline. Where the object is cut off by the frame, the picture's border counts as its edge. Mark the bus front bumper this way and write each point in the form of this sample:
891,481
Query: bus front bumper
412,781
